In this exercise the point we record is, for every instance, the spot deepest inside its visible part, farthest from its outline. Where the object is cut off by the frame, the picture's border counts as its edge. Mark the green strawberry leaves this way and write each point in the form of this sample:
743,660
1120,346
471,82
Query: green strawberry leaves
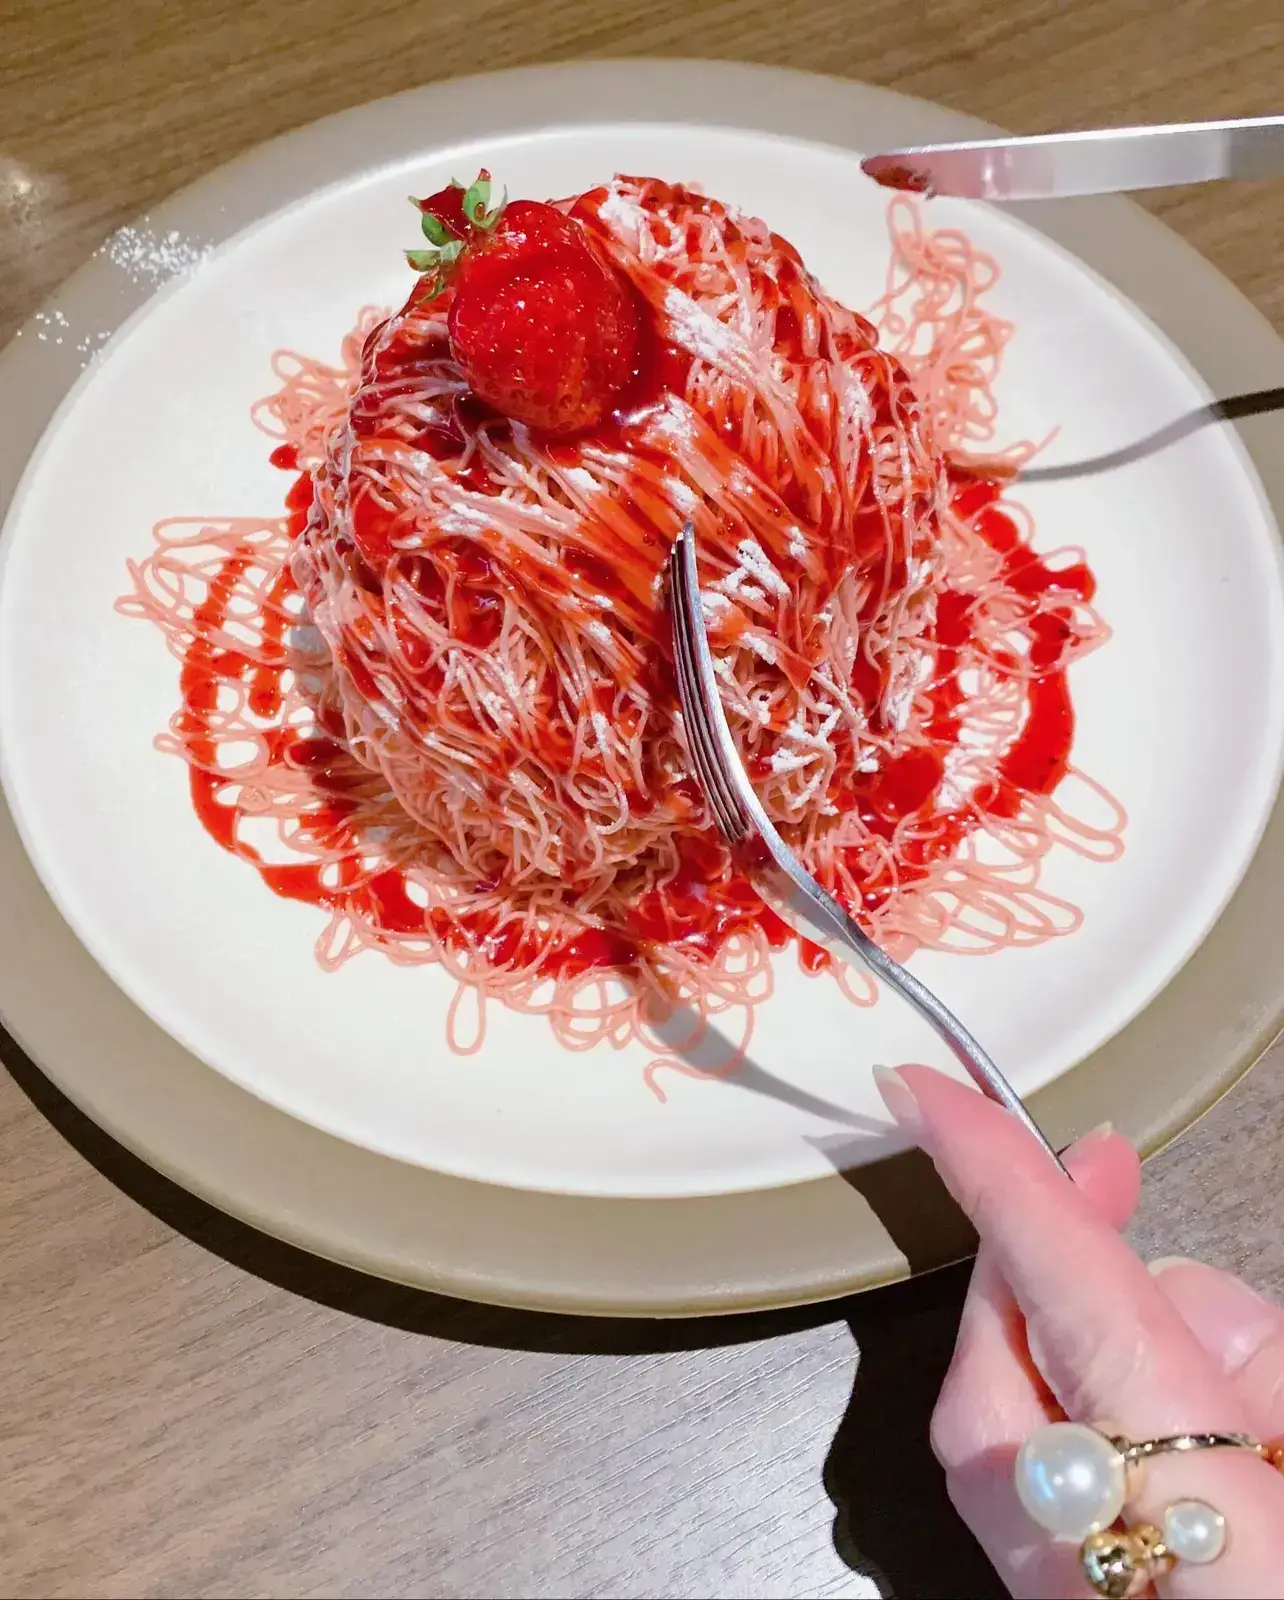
478,210
436,232
446,245
426,260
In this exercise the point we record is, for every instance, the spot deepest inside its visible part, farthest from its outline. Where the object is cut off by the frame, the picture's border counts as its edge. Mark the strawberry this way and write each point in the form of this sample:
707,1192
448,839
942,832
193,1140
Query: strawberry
542,326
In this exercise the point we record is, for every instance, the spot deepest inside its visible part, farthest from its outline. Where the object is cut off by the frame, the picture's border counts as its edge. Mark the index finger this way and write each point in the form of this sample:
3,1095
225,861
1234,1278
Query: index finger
1111,1346
1107,1340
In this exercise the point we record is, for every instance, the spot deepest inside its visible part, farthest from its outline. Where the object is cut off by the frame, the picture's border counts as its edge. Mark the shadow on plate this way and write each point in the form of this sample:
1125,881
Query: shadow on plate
703,1046
1235,409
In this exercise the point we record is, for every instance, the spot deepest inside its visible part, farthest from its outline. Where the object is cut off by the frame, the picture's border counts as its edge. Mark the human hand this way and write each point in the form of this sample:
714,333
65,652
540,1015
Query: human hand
1063,1320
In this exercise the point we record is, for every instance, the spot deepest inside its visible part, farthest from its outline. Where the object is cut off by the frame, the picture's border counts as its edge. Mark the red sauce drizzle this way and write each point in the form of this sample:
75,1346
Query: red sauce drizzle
898,175
711,898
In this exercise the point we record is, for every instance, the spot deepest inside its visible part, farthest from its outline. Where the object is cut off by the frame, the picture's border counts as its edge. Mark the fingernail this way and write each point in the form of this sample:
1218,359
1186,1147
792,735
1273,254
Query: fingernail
1083,1144
1159,1267
899,1099
1228,1316
1164,1264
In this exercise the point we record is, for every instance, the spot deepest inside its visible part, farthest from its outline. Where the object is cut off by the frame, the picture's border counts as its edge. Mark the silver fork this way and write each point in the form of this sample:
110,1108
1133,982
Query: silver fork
778,875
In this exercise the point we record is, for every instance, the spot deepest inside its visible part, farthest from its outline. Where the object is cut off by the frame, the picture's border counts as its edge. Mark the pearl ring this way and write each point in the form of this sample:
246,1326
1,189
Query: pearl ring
1073,1480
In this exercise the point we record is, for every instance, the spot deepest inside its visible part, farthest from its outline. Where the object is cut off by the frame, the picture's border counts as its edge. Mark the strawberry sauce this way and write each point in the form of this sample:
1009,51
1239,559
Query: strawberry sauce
480,500
711,898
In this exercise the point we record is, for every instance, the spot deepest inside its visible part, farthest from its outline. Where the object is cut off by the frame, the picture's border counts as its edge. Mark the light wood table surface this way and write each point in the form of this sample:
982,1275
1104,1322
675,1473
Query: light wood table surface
187,1407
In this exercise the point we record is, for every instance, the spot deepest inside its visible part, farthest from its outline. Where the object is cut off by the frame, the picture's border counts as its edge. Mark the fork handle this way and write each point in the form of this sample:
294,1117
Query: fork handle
827,924
977,1061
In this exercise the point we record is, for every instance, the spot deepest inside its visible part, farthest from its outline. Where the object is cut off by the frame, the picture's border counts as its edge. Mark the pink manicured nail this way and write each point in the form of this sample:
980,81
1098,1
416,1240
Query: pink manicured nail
1234,1288
899,1099
1228,1317
1162,1264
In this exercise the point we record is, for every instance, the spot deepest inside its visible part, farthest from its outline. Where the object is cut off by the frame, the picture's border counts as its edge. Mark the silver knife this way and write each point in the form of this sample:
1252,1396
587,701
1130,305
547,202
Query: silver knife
1051,166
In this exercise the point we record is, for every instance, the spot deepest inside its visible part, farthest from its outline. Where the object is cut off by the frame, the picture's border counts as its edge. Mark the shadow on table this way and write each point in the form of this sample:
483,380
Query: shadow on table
892,1518
893,1521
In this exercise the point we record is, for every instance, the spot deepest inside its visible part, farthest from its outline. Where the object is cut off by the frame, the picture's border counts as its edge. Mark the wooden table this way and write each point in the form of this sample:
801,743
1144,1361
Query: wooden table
188,1408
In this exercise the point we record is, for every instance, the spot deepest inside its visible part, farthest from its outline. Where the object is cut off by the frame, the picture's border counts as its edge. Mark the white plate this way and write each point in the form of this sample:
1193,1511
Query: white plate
1181,715
773,1247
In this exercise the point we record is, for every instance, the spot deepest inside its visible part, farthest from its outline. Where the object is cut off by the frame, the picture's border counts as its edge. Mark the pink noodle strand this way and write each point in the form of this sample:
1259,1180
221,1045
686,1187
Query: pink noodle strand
457,782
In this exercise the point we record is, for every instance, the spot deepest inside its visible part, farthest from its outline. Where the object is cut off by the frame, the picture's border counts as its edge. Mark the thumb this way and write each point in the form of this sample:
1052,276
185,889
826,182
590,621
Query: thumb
1242,1331
1232,1321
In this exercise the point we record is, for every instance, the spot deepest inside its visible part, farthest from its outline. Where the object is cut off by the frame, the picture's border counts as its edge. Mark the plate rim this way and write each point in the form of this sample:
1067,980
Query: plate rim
135,969
831,111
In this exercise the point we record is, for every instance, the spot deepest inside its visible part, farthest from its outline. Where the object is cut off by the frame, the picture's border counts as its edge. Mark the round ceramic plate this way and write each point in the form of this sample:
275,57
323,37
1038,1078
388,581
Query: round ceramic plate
160,425
357,1111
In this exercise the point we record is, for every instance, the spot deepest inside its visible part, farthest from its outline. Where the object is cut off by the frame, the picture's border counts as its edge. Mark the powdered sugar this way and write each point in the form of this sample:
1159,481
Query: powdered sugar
51,326
622,214
690,326
148,257
755,577
55,327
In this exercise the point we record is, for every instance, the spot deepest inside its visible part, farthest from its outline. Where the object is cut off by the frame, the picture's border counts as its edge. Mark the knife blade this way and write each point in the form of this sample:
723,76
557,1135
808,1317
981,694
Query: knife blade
1053,166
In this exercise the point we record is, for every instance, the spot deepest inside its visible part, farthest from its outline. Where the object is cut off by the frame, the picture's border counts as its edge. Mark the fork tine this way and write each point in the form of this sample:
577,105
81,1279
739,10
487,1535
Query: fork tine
726,757
700,736
723,814
697,733
694,710
737,823
716,735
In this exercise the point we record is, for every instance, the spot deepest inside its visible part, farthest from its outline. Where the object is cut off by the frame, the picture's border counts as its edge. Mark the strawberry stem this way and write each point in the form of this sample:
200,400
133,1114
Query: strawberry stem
477,214
436,259
436,231
478,211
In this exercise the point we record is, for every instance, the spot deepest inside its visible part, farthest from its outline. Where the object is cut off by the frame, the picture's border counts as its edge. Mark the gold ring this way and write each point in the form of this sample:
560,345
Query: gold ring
1074,1480
1135,1454
1118,1562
